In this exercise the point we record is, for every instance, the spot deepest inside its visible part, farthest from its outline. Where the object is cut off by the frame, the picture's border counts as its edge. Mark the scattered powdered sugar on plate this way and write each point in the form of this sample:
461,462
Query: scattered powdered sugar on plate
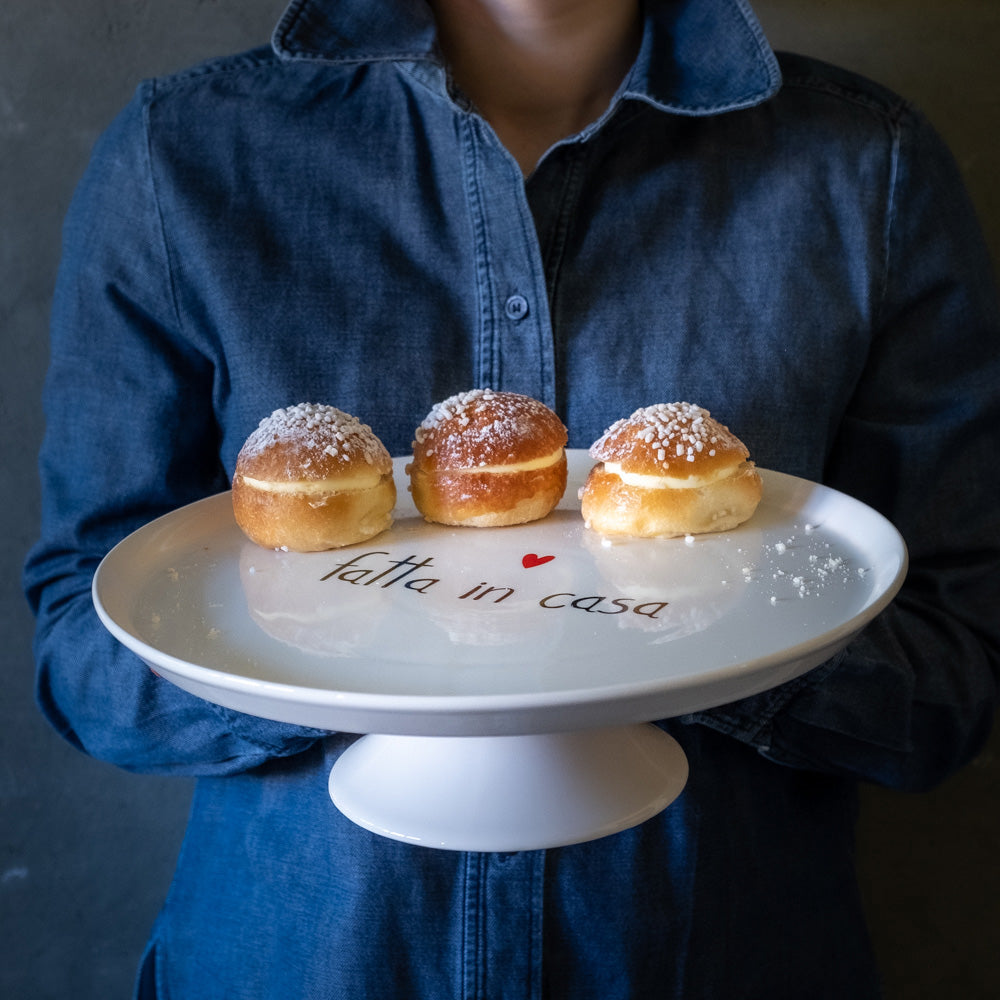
802,566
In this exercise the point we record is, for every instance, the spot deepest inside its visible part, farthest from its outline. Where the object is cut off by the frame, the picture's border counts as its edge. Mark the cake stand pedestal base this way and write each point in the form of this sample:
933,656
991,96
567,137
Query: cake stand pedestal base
508,793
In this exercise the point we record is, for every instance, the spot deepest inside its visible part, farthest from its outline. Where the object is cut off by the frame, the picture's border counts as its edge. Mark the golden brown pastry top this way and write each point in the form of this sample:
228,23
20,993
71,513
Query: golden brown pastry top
681,442
312,443
483,429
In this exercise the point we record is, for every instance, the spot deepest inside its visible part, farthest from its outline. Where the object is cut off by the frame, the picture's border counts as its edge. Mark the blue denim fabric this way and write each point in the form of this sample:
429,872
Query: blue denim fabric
325,220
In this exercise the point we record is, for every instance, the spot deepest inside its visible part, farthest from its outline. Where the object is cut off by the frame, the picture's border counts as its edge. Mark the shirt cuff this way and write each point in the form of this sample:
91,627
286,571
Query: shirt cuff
276,739
751,720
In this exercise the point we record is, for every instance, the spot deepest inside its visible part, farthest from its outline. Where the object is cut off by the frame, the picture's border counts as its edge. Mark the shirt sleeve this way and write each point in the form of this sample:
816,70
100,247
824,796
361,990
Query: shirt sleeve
130,434
913,697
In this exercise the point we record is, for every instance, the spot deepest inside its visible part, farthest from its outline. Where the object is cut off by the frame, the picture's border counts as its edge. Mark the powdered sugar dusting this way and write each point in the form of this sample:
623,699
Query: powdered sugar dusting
492,425
675,433
802,566
320,428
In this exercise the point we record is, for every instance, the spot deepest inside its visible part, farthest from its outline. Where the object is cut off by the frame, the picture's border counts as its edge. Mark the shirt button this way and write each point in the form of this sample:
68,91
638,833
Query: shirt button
516,307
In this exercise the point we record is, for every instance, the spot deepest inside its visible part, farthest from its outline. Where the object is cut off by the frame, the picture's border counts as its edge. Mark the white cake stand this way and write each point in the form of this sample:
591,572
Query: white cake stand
505,678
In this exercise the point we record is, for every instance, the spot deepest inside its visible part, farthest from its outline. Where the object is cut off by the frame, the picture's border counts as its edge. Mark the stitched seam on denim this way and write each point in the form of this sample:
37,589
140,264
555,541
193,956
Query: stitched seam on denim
163,991
168,256
568,201
473,924
486,362
411,71
758,50
536,968
463,965
757,732
890,110
891,113
229,66
890,217
756,31
564,215
287,26
529,238
279,749
161,225
360,57
749,101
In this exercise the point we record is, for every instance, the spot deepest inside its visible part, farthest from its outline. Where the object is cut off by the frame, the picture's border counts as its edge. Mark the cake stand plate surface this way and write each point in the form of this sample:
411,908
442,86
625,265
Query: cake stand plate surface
505,650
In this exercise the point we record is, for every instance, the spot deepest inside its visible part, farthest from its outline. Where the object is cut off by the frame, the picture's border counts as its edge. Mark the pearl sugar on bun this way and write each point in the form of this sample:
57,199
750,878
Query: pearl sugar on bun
310,478
666,470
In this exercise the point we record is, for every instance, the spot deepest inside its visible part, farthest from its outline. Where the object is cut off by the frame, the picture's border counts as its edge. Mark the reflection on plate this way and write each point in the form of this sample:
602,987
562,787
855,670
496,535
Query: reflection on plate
283,600
701,574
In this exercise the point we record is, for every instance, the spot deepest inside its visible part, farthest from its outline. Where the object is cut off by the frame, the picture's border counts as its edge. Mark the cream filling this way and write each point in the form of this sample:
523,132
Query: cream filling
533,463
342,484
667,482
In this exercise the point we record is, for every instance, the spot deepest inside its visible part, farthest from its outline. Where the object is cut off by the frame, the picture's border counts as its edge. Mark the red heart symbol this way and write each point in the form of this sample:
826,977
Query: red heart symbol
531,560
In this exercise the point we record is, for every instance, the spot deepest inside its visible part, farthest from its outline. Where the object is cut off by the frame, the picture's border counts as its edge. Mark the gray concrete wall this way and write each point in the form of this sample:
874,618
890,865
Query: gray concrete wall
86,851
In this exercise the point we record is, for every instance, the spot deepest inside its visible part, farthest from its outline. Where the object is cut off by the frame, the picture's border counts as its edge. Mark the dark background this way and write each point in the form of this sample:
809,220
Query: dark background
86,851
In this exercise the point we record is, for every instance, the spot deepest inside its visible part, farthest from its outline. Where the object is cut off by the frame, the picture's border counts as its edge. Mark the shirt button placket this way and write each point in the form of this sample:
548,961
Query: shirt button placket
516,344
512,925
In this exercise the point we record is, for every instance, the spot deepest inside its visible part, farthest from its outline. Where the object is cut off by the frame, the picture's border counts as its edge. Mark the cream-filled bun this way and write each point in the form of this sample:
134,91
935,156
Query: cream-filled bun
310,478
483,459
667,470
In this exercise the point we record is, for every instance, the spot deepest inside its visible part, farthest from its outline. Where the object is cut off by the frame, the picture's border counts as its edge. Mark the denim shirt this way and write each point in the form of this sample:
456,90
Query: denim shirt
328,220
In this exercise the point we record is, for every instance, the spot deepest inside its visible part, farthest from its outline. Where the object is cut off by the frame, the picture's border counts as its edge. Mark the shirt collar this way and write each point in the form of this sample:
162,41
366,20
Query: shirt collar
698,57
